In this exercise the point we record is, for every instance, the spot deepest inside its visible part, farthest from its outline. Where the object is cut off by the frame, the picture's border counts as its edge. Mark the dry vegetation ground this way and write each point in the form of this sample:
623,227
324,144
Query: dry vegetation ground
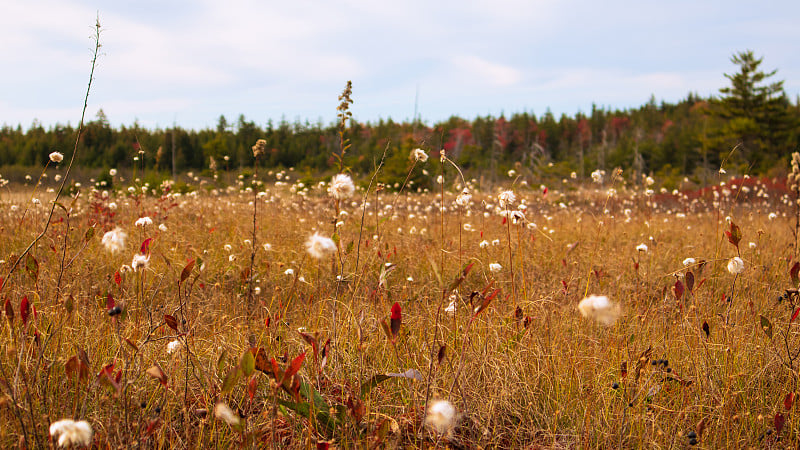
528,371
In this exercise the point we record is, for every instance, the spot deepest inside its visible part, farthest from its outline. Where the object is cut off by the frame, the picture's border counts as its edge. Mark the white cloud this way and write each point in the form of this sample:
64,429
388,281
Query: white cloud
479,71
199,59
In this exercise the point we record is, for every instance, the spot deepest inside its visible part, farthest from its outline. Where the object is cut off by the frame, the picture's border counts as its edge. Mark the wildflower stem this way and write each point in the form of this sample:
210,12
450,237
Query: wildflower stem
72,159
510,254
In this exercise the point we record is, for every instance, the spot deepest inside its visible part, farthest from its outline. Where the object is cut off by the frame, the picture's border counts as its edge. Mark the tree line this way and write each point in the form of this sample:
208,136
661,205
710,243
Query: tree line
750,127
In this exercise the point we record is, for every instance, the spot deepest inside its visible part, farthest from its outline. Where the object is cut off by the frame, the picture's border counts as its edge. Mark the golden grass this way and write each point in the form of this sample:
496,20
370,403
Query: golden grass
545,378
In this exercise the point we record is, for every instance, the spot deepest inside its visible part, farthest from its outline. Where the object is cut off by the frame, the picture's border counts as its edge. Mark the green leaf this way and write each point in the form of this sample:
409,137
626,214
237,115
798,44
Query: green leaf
321,409
221,361
766,325
248,363
231,379
335,238
350,247
89,234
32,267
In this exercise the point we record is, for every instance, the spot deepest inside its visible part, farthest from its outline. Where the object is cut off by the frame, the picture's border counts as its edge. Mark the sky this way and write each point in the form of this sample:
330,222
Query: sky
187,62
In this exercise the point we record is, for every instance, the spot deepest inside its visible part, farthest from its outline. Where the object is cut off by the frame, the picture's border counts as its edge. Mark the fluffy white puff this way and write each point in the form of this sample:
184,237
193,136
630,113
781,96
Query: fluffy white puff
70,432
600,309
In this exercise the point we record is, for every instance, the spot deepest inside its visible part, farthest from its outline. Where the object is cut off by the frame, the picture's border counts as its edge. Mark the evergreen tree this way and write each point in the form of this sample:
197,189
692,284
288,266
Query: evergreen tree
755,113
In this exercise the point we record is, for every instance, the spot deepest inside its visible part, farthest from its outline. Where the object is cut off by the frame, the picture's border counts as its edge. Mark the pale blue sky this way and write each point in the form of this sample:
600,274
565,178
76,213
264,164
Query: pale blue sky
190,61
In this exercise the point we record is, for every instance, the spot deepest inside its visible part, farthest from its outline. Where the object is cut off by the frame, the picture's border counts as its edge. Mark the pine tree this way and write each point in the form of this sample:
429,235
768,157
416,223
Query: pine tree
755,114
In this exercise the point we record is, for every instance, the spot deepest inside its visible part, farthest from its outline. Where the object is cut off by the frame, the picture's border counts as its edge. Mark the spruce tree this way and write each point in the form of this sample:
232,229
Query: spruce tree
755,114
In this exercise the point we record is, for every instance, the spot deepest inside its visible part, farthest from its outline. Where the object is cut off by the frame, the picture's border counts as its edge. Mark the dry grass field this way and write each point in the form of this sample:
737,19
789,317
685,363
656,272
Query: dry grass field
425,321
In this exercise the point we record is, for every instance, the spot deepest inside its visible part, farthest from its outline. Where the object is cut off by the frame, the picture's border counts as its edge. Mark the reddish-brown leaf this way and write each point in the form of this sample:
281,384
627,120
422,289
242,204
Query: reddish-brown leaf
25,309
788,401
734,235
779,421
187,270
117,278
678,289
706,329
689,279
252,385
171,321
356,408
386,329
794,272
277,373
9,310
442,353
701,427
261,360
794,316
110,301
485,303
311,340
71,367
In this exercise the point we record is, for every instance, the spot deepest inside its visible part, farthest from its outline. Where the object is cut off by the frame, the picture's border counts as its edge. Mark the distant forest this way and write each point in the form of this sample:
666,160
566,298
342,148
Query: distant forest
750,127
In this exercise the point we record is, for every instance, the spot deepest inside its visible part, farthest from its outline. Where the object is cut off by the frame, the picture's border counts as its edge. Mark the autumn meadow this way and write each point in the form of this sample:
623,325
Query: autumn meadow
263,308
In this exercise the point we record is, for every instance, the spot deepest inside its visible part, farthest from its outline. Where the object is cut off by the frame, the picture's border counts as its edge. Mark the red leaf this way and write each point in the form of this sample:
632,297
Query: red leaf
794,316
9,310
109,301
252,385
276,371
689,279
485,303
397,319
186,271
294,366
678,289
171,321
788,401
145,249
779,421
397,311
25,309
734,235
117,278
